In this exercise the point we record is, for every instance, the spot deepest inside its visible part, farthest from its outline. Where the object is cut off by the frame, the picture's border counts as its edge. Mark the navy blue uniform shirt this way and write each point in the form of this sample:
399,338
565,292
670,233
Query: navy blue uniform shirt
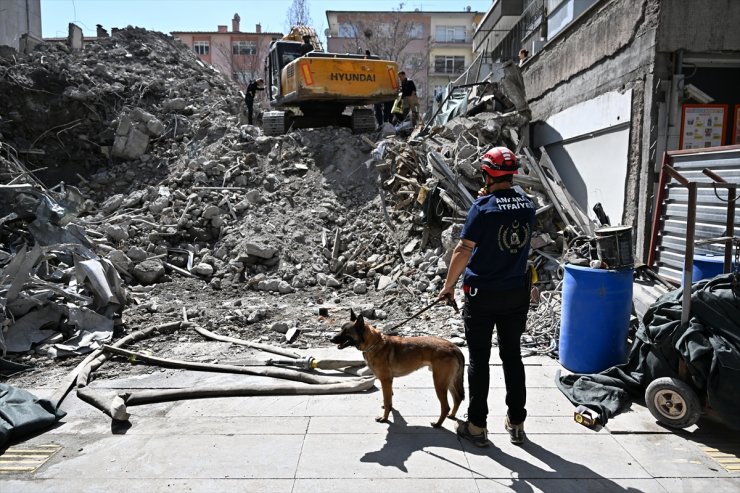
501,225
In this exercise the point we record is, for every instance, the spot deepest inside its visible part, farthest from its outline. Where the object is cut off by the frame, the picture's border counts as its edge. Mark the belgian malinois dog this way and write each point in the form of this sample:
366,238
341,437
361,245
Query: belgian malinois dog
393,356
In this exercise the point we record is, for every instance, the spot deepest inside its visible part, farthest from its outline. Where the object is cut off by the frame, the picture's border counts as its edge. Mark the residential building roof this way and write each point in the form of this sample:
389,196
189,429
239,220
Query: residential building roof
226,32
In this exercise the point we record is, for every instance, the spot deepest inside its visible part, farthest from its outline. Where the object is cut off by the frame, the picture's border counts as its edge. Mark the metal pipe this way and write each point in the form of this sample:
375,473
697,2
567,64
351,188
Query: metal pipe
688,262
730,229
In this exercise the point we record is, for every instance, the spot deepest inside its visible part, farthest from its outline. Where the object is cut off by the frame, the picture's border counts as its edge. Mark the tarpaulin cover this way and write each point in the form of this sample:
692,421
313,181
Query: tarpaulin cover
709,345
23,414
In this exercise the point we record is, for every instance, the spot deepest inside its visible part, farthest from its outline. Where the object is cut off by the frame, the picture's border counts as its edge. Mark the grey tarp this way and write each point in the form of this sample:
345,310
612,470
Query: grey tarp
709,344
23,414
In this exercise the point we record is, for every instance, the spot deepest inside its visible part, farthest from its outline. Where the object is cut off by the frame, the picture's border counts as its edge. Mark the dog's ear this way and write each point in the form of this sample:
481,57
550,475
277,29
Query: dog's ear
352,316
360,328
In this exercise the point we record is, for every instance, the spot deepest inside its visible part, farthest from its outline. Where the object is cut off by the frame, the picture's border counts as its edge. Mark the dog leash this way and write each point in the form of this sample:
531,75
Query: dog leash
448,299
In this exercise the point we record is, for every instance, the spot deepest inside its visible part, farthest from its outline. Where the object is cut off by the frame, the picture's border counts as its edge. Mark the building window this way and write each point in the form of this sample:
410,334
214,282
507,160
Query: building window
416,31
449,64
450,34
415,62
201,47
347,30
244,47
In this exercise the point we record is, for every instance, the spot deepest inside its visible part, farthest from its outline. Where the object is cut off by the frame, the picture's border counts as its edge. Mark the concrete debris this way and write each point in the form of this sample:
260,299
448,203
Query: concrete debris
179,206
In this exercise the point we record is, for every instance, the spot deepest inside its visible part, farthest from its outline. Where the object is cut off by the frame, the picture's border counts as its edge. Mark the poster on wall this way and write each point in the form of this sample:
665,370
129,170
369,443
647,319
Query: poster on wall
703,125
736,127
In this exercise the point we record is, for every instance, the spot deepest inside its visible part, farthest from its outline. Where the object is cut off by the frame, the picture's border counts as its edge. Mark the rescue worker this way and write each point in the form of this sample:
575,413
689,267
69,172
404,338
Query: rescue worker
252,88
306,47
408,96
492,253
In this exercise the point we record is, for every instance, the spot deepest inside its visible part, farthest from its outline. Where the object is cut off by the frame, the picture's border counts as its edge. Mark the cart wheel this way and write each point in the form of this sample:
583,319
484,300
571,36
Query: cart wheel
672,402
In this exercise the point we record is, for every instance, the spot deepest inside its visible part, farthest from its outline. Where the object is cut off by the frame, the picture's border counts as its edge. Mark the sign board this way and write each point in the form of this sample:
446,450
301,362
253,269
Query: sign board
703,125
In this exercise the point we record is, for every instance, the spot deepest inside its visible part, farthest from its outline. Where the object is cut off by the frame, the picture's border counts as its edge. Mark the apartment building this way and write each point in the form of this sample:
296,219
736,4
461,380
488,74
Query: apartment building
239,54
451,50
431,47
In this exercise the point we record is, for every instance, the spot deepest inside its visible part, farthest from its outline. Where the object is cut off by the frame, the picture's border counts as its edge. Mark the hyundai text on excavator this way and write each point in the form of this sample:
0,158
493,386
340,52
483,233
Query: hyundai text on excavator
314,89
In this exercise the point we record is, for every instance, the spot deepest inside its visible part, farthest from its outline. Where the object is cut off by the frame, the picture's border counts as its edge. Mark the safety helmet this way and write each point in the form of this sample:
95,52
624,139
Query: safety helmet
499,161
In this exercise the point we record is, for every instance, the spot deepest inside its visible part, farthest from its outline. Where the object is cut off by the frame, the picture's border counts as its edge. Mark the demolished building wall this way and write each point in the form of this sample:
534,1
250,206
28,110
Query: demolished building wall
611,50
19,17
635,49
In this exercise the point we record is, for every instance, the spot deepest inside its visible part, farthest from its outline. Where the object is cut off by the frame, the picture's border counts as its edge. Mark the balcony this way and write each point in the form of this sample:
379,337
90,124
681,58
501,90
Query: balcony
453,73
529,24
451,43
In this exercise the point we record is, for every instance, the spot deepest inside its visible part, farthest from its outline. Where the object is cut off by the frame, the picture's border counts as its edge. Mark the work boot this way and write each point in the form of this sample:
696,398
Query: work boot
516,432
478,436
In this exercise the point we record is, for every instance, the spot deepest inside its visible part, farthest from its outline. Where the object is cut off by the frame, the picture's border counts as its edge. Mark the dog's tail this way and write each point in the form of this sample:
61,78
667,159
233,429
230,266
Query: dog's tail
457,389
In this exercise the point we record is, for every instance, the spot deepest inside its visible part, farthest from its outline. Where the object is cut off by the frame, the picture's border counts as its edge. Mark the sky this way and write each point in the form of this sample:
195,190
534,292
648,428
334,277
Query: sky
205,15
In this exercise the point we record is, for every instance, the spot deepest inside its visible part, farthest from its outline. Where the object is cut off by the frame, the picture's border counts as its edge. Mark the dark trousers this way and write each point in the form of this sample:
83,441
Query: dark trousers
378,108
250,108
507,312
387,107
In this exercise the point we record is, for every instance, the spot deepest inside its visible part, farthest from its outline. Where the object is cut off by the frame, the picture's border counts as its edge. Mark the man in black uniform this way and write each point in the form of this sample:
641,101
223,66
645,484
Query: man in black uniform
408,95
252,88
492,258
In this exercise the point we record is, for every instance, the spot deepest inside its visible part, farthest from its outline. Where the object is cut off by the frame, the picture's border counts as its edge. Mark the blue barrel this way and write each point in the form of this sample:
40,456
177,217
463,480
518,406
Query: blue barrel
707,267
595,318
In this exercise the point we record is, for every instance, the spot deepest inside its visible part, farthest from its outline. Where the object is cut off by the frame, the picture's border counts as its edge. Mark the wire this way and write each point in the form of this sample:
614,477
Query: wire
721,199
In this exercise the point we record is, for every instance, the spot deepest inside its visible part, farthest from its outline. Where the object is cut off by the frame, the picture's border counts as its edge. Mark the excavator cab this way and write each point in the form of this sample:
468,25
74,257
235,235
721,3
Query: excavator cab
281,54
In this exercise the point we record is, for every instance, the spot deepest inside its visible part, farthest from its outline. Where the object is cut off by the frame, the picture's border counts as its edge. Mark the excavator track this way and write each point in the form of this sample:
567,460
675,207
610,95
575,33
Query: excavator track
273,122
363,120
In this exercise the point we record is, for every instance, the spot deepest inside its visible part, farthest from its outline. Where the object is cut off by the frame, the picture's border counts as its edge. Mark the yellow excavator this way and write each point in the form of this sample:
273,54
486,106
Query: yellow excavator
316,89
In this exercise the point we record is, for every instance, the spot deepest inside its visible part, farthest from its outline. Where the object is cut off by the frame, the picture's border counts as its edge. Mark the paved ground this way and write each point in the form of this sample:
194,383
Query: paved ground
331,443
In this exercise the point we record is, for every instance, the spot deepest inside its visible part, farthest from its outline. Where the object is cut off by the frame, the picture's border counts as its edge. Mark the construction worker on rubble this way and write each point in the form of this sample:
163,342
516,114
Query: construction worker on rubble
492,253
408,97
252,88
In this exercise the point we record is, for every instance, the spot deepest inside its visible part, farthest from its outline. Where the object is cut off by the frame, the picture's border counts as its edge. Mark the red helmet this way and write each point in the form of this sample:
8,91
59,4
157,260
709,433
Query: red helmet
499,161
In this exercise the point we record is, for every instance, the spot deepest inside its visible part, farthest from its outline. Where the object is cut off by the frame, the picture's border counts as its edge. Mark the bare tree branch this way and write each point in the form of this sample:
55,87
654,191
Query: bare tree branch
298,14
390,36
248,66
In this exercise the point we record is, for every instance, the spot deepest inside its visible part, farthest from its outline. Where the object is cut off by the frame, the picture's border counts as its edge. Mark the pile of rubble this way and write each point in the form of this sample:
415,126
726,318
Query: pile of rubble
179,209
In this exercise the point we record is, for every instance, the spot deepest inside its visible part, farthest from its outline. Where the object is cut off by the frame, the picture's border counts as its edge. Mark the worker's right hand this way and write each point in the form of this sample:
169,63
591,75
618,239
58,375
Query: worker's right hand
447,292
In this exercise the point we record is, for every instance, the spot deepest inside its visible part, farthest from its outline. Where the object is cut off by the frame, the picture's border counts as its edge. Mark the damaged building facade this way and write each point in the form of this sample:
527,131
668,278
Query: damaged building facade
19,20
607,82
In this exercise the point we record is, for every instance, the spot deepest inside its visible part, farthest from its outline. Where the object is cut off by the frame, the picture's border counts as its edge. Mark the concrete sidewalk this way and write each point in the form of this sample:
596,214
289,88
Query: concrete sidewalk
331,443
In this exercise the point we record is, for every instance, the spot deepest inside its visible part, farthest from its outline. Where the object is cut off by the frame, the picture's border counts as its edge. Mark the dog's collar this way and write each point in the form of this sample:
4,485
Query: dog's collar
372,347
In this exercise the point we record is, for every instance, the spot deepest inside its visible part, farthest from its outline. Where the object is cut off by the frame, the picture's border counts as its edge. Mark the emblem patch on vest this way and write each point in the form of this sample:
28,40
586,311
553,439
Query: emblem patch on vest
513,237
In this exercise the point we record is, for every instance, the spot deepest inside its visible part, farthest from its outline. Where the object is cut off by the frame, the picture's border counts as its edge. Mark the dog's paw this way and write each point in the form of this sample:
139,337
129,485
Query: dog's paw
436,425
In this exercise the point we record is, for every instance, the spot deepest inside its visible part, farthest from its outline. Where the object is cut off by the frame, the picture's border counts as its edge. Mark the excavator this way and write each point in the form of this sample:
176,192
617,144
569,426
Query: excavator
319,89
